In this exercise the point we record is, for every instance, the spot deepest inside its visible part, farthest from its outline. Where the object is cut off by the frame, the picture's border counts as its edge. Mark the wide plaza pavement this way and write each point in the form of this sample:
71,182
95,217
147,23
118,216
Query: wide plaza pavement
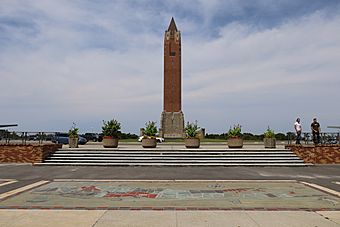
192,196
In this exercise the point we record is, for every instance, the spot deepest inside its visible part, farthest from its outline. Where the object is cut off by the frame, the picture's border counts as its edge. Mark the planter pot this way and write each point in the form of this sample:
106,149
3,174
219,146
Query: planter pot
110,142
269,142
235,142
73,142
149,142
192,142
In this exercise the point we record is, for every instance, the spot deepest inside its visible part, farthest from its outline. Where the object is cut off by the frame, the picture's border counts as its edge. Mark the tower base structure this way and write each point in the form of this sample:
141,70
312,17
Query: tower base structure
172,125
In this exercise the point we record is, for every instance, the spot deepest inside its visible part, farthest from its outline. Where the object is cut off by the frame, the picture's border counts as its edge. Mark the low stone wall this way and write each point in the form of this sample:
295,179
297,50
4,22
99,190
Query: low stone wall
30,153
317,154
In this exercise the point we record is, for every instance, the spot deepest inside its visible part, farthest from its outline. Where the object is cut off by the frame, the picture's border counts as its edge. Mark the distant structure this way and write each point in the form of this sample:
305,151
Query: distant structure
332,126
8,125
172,117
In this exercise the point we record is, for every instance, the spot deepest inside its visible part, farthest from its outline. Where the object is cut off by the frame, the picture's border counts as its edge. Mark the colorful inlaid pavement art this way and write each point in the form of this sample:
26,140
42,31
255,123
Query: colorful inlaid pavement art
173,195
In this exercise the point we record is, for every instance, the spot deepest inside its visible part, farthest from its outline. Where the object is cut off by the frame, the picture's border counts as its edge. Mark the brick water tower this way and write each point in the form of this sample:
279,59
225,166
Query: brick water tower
172,117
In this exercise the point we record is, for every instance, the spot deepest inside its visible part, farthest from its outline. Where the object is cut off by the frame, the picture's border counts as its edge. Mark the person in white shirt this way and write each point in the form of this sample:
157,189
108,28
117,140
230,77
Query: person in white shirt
298,130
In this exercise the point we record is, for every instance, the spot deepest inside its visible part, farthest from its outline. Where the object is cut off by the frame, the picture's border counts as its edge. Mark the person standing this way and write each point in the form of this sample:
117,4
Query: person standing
298,130
315,126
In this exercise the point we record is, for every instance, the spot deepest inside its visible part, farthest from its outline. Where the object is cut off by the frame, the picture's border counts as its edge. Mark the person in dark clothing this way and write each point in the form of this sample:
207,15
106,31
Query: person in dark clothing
315,126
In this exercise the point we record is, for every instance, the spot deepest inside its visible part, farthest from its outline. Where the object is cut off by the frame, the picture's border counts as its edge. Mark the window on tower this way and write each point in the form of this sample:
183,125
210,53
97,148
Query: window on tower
172,53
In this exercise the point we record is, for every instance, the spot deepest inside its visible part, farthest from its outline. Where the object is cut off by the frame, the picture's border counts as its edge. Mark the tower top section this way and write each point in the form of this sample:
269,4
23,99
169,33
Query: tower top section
172,26
173,34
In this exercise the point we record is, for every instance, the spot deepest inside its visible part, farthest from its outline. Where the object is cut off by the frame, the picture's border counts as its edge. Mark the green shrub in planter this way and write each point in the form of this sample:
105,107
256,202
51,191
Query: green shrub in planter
234,137
269,133
150,129
235,131
111,132
269,138
111,128
73,136
191,130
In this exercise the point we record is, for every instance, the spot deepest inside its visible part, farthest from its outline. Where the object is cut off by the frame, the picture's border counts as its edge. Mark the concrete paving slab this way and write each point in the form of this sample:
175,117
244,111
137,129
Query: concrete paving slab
137,218
290,218
101,218
49,218
331,215
214,218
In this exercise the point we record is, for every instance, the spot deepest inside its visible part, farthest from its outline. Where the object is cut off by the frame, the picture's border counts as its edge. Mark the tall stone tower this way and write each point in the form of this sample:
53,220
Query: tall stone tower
172,118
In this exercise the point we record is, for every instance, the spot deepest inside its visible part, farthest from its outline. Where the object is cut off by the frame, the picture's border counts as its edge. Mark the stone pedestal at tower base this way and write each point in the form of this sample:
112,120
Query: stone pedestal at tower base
172,125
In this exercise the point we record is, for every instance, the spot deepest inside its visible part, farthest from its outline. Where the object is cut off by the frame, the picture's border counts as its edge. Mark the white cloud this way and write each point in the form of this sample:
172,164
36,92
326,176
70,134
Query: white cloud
88,62
295,63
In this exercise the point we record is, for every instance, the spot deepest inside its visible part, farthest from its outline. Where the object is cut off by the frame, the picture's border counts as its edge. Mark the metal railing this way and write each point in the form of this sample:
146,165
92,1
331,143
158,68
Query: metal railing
8,137
307,138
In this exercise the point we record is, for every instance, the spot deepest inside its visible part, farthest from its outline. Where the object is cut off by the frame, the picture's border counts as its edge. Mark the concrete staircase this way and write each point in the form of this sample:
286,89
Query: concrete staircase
169,157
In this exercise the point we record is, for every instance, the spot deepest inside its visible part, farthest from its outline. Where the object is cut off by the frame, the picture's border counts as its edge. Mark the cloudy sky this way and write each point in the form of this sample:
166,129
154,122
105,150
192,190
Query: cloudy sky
259,63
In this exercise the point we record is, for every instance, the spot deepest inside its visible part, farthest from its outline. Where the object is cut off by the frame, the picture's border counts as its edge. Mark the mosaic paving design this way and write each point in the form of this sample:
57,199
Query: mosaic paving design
174,195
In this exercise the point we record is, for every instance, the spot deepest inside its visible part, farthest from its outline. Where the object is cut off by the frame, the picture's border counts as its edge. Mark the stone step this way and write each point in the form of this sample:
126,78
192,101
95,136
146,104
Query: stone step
174,161
175,164
172,155
152,150
173,152
179,157
173,158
